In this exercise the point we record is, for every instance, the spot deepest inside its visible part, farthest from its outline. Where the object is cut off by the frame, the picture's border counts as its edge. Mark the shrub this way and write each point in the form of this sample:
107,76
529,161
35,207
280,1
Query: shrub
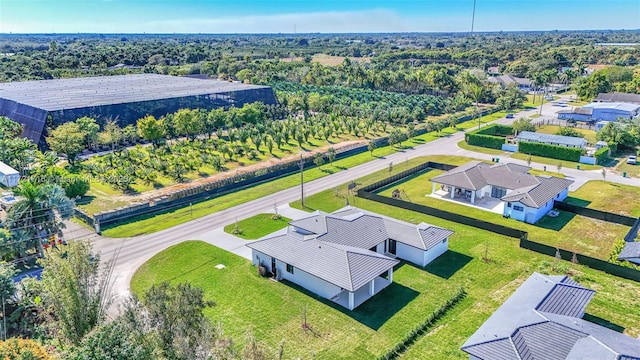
75,185
602,155
495,130
493,142
550,151
569,131
23,349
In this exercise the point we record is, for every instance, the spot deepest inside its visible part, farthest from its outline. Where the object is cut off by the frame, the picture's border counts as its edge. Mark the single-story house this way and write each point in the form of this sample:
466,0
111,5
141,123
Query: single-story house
601,111
543,320
558,140
509,80
630,252
600,125
618,97
8,175
347,256
525,197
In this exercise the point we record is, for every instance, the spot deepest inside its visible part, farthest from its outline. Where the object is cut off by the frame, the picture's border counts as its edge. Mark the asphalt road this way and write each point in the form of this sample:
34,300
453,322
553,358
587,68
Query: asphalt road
130,253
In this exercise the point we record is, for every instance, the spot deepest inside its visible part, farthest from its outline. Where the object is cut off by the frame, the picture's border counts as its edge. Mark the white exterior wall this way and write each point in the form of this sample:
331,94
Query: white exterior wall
410,253
484,192
563,194
299,277
380,248
435,251
307,281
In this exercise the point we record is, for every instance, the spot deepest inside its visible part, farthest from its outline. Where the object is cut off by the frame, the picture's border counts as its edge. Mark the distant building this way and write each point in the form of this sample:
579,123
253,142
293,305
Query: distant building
618,97
509,80
42,104
493,71
558,140
601,111
543,320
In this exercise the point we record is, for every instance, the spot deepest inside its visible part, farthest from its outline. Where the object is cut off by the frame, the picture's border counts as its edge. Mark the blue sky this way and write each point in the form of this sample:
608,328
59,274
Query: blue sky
275,16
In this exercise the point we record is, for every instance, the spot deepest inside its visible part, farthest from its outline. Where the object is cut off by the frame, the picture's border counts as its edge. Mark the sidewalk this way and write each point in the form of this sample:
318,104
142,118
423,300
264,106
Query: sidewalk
236,245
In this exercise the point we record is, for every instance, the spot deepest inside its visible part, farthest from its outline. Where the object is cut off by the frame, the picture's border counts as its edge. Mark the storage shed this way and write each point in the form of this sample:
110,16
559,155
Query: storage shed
8,175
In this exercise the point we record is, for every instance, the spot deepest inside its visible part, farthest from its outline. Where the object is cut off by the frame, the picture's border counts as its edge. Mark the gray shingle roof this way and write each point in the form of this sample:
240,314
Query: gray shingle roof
630,252
61,94
537,196
347,267
534,319
356,227
551,139
476,174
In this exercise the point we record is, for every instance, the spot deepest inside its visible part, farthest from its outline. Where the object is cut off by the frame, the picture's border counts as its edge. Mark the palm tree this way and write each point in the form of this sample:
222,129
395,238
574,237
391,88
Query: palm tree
39,212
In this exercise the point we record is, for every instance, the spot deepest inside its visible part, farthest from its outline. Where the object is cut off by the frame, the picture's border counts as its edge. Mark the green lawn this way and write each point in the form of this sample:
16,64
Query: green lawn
554,162
631,170
608,196
148,224
568,231
257,226
589,135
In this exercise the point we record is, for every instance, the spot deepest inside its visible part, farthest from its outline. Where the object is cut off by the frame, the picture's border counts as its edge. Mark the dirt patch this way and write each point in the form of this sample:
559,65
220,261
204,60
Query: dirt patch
328,60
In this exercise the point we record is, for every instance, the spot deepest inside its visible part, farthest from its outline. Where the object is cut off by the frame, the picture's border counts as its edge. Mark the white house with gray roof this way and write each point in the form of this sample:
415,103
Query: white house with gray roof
347,256
543,320
525,197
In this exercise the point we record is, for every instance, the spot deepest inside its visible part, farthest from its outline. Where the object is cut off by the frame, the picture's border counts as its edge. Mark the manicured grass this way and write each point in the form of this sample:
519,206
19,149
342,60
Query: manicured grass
554,162
608,196
148,224
589,135
490,284
577,103
274,310
152,223
257,226
567,231
631,170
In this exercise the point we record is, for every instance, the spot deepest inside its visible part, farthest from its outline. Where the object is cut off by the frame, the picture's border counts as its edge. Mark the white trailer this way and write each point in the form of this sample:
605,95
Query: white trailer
8,175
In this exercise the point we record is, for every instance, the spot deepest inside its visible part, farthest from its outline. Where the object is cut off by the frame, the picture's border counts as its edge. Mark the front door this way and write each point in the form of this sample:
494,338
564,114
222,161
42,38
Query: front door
273,267
392,246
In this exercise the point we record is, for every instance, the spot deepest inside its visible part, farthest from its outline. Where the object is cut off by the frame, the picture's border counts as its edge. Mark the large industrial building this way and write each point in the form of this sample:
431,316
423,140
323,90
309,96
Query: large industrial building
43,104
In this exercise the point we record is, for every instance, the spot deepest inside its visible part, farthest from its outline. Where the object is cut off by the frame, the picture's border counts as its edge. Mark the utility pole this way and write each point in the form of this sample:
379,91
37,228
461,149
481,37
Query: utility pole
301,180
473,16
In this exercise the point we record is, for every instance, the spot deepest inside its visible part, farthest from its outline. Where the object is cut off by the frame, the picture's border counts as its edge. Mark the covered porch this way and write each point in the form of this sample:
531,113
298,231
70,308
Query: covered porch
352,300
486,203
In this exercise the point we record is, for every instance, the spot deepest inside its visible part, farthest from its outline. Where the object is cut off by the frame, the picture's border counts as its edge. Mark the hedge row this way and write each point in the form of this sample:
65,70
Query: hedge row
550,151
601,155
495,130
487,141
421,329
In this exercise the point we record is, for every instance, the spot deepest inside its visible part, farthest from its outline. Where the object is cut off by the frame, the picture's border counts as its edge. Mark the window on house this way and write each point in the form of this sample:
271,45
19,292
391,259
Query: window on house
508,205
290,269
518,208
444,241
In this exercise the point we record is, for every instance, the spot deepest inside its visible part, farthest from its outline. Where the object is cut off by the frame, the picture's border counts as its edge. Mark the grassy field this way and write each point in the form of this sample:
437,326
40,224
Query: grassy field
552,163
589,135
273,311
631,170
567,231
148,224
257,226
607,196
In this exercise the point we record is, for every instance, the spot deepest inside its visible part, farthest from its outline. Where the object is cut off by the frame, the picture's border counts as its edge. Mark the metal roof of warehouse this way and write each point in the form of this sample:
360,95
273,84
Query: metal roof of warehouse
62,94
551,139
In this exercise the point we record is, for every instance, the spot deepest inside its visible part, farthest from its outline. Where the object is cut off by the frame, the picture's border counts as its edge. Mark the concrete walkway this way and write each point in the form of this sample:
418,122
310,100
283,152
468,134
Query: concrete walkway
236,245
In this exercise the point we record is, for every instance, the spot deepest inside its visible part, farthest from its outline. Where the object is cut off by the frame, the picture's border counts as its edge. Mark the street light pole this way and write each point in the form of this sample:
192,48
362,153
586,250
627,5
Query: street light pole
301,180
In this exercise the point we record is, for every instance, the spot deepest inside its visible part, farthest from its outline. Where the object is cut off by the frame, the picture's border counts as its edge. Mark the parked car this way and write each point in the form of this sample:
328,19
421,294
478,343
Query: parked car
548,97
631,160
509,116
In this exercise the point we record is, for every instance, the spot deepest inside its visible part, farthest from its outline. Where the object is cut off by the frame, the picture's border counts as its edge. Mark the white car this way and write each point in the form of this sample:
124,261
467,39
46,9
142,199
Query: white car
631,160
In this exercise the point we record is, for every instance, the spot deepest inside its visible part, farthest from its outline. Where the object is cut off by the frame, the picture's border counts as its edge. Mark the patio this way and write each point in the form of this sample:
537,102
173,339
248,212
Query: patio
487,203
361,295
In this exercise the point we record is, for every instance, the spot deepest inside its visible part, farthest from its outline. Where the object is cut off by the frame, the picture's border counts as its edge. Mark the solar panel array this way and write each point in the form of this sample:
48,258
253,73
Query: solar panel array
62,94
